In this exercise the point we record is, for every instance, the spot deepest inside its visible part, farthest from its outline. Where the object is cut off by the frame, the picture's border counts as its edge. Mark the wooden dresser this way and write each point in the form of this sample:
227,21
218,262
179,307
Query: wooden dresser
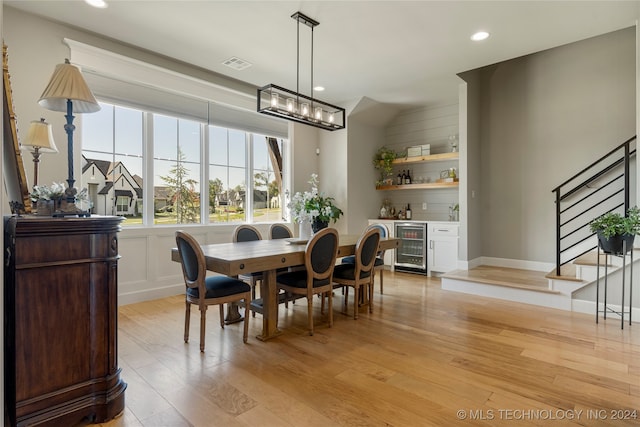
60,314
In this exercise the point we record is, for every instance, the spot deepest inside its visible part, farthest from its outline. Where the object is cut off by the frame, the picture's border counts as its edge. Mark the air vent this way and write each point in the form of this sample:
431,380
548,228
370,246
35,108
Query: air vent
237,63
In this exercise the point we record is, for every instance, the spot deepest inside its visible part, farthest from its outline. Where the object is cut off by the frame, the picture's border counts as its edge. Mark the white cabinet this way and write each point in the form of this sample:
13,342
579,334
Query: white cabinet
389,256
443,247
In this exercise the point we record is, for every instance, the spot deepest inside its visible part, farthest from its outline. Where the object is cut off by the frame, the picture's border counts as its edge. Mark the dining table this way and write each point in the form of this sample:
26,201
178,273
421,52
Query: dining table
269,256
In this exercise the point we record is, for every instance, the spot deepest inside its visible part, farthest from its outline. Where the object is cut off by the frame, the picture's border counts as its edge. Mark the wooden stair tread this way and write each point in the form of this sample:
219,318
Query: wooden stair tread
567,272
507,277
591,258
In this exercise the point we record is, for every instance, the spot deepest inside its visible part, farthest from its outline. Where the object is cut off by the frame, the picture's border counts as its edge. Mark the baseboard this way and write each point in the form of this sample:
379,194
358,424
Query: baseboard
589,307
150,294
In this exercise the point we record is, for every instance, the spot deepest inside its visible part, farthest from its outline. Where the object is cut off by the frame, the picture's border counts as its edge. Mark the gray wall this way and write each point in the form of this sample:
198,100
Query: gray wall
544,117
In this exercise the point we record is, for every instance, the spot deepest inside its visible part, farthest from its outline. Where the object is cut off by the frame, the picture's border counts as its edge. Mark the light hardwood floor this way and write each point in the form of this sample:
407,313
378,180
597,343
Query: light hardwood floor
424,357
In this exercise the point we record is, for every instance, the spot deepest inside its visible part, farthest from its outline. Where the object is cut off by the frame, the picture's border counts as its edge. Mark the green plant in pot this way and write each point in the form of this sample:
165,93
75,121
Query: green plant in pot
383,161
614,228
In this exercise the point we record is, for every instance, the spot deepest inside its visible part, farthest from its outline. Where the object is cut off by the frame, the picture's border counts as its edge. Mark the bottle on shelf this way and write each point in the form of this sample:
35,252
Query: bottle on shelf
408,211
399,179
407,178
404,176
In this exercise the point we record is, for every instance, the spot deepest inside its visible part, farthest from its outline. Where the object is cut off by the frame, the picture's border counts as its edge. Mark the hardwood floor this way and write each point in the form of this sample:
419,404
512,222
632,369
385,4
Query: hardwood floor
424,357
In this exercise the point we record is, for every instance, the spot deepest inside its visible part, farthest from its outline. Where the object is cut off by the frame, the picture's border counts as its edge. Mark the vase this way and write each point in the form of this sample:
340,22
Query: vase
613,244
317,224
45,207
304,230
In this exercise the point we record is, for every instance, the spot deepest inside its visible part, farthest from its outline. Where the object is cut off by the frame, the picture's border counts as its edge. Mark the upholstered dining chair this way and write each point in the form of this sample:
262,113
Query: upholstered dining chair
248,233
279,231
204,291
379,261
319,260
359,274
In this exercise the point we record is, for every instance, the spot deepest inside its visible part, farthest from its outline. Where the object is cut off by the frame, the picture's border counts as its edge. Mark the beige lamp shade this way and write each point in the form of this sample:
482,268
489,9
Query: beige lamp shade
67,83
40,137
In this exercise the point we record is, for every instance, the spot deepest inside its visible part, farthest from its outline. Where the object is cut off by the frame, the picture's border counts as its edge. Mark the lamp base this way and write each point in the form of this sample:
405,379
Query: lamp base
69,209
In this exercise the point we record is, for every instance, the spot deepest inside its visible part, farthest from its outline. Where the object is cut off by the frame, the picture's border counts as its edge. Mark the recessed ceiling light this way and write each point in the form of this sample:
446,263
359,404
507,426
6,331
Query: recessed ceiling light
480,35
97,3
318,88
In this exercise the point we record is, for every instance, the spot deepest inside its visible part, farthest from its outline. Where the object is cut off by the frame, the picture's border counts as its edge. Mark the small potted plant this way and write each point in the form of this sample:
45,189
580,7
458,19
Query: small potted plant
613,229
383,161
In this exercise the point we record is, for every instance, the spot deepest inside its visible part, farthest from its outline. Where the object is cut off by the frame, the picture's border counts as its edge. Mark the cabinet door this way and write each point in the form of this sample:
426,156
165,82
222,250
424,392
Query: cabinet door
443,254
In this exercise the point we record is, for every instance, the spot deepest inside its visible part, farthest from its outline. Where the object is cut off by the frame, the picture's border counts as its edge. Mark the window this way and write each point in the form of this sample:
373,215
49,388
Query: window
176,164
122,204
240,182
112,147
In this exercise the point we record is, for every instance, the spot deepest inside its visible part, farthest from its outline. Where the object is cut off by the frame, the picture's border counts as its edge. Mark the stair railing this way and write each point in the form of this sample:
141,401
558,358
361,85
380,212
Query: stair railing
601,187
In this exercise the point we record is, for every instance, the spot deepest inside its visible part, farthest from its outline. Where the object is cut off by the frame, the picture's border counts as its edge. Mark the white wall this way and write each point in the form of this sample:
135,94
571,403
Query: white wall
425,125
543,118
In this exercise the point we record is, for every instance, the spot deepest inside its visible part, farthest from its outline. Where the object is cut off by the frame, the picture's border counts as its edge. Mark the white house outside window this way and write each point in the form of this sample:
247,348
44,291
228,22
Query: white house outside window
242,181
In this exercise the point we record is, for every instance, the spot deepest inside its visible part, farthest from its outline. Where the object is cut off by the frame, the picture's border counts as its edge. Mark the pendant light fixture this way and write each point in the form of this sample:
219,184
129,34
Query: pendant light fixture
287,104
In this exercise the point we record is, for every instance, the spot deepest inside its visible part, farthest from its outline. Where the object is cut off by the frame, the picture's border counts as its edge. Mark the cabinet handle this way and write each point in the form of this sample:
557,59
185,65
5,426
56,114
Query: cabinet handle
430,244
443,230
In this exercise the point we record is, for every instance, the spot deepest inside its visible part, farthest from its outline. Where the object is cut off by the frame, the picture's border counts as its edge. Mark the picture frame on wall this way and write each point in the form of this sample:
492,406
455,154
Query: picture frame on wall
15,178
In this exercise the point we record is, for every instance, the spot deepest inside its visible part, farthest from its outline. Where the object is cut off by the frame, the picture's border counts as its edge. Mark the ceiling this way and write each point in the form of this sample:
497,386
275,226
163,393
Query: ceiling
405,53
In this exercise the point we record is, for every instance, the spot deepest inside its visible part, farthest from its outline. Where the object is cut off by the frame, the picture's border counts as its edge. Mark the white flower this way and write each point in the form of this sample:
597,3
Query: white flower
312,204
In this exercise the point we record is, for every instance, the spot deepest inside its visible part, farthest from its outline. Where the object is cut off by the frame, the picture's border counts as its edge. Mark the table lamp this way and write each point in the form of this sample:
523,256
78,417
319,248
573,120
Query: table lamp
39,140
68,91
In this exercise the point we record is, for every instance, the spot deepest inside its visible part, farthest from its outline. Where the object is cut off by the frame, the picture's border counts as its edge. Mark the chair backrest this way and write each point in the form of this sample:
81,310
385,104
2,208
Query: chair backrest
192,261
246,233
321,253
384,233
279,231
366,251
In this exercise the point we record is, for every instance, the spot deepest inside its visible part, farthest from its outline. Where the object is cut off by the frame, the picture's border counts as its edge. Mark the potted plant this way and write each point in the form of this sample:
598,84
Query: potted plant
383,161
613,229
314,207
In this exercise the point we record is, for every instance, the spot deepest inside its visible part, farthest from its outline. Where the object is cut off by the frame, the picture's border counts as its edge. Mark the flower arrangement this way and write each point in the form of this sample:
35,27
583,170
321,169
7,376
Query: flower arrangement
313,206
42,192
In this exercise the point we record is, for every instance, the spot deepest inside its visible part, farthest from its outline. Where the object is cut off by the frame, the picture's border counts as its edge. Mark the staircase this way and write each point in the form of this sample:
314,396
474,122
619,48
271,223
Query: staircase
603,186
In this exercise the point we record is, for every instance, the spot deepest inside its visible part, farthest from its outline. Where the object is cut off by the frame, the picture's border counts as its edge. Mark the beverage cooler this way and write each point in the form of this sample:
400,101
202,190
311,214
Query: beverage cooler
411,254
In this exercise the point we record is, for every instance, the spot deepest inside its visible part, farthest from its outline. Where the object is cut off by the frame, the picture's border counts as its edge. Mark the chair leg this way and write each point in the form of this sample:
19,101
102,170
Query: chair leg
330,307
371,294
345,292
203,323
310,313
222,315
322,296
253,296
355,301
381,280
246,319
187,319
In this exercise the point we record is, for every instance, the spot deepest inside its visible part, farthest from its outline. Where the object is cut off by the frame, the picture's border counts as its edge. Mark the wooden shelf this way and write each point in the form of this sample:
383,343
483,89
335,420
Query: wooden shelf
424,186
432,158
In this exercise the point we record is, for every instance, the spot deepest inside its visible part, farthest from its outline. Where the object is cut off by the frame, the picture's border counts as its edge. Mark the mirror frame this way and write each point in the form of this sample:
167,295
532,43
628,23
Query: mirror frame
15,178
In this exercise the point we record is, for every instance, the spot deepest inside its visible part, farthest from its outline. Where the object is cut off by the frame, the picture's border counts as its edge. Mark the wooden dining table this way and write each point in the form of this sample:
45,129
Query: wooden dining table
268,256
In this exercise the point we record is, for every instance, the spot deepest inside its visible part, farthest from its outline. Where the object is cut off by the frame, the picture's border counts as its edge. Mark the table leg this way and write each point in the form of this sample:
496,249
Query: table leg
269,295
233,314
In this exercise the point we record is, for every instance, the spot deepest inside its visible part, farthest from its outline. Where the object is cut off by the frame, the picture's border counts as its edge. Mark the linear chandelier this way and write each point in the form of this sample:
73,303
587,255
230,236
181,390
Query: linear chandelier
284,103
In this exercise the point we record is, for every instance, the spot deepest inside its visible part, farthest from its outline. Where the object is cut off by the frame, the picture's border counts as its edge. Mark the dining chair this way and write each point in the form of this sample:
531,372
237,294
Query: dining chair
204,291
360,274
248,233
279,231
317,277
379,261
